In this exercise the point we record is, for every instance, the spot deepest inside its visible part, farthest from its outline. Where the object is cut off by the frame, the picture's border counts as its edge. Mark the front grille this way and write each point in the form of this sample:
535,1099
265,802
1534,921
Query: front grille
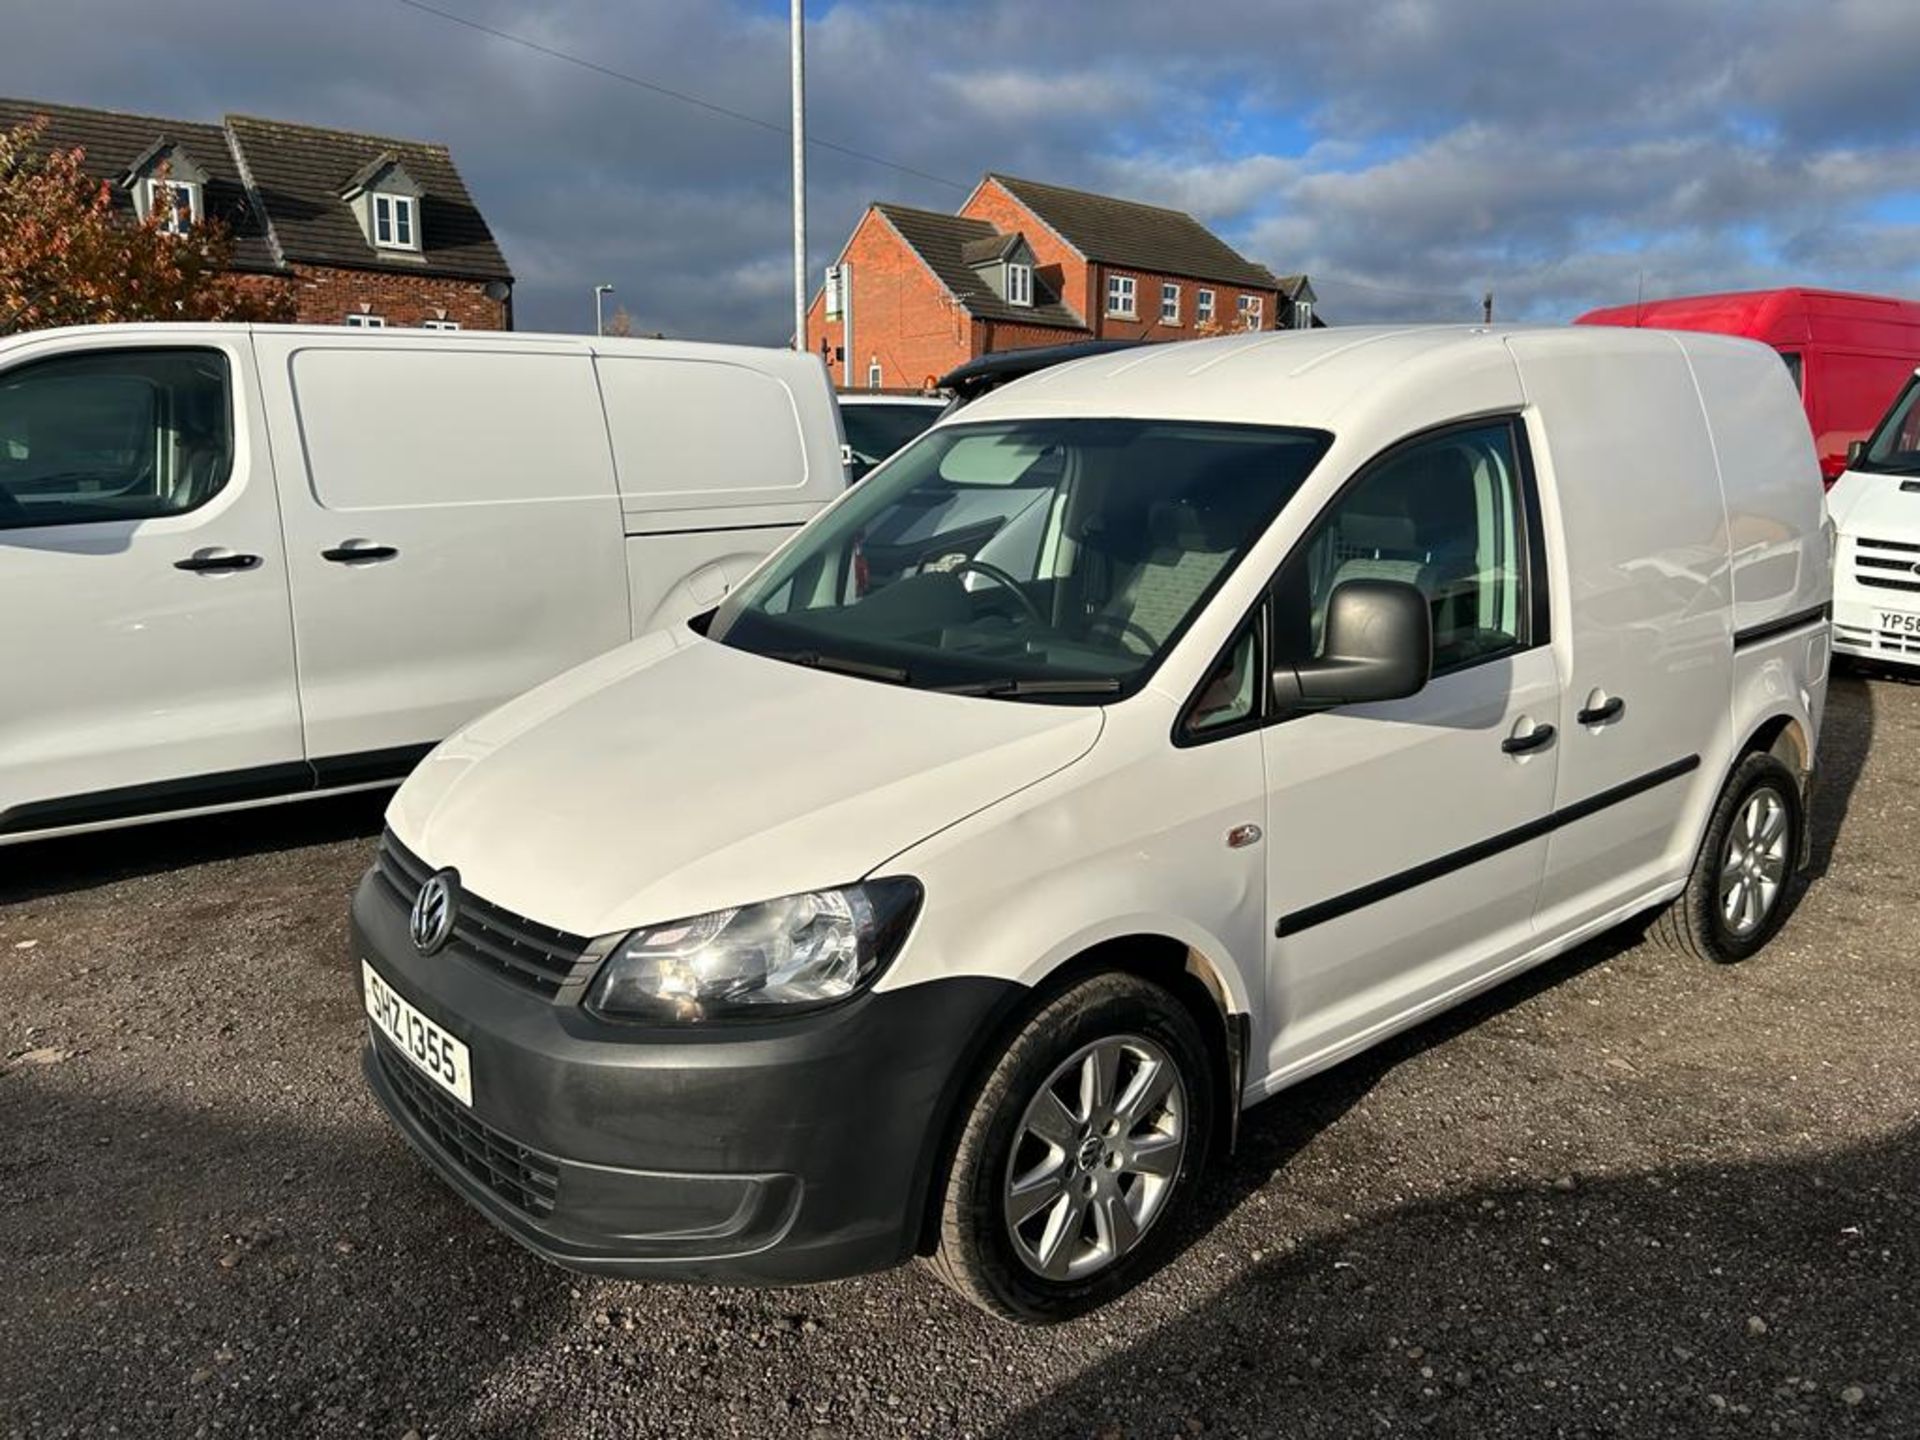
1881,582
524,1178
1910,547
536,957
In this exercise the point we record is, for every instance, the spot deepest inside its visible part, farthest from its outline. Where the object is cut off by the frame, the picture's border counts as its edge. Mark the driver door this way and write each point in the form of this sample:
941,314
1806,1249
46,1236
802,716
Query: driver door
147,638
1406,838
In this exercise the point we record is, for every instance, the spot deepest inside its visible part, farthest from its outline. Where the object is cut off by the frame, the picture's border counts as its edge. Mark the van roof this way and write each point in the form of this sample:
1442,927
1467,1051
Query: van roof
1292,377
185,333
1779,317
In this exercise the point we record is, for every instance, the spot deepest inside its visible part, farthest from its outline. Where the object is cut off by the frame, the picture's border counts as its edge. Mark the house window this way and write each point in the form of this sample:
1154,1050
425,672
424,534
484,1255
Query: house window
1303,314
177,202
1120,296
1250,310
1019,284
873,373
1203,307
393,222
359,320
439,324
1169,304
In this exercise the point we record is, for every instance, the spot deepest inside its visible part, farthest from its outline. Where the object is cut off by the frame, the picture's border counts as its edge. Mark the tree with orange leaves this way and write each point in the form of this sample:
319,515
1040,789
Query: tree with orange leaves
70,256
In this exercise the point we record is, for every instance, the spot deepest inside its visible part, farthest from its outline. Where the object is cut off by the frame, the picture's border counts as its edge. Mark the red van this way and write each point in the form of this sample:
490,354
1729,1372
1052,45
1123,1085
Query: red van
1850,354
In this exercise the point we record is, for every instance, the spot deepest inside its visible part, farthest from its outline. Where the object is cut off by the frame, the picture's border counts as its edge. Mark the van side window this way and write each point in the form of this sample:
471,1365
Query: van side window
113,435
1231,694
1445,514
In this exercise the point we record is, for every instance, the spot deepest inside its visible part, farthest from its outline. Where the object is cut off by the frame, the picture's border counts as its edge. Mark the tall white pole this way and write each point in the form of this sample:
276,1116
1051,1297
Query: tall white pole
799,176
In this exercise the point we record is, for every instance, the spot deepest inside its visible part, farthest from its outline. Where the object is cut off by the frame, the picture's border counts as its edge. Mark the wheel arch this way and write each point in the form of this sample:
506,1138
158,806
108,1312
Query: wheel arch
1195,978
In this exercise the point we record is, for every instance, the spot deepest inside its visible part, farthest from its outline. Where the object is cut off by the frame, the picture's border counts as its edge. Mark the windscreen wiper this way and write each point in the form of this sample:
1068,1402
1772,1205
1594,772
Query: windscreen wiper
842,665
1011,685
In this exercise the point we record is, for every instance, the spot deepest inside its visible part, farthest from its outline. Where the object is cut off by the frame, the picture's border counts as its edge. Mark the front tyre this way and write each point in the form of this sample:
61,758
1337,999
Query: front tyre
1079,1150
1742,883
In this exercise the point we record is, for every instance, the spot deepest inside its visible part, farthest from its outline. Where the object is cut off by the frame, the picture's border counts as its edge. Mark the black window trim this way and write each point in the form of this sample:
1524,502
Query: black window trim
1533,549
31,362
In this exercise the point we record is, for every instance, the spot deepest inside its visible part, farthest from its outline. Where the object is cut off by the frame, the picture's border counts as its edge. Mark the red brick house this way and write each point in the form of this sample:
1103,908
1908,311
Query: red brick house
364,230
916,292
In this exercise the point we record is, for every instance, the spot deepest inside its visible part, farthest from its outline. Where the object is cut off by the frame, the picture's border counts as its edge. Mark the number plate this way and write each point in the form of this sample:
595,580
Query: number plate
1894,620
436,1054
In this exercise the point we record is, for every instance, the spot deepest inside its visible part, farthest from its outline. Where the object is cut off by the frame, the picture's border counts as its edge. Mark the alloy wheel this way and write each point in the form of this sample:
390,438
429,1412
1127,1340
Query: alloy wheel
1753,868
1095,1157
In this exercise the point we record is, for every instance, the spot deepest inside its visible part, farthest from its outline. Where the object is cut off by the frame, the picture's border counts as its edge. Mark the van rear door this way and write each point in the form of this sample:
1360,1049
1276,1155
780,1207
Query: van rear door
452,526
721,452
1646,642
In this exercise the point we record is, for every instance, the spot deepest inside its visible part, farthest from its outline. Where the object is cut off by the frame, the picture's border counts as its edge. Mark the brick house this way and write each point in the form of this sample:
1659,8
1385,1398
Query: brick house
915,292
362,229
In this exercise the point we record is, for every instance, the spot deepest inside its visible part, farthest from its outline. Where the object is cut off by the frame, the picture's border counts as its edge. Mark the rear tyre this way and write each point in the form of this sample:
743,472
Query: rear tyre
1078,1154
1743,881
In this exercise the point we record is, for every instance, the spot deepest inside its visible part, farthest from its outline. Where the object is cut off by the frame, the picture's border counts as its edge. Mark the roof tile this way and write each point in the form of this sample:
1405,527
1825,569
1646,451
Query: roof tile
1147,237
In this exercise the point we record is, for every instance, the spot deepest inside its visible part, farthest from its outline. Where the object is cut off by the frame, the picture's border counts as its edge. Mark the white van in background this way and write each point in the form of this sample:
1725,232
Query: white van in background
1876,509
240,564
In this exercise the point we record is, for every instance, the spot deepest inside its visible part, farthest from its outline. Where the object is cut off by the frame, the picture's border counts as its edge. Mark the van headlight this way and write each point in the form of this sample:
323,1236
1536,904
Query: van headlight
797,951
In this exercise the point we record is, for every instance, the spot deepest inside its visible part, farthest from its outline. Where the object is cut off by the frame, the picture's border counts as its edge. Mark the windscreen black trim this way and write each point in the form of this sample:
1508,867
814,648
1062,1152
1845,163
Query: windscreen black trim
1393,885
1773,629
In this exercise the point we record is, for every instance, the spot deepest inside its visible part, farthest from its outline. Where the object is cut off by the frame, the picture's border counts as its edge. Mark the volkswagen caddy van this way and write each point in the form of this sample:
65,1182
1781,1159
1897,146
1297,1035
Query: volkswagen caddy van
1238,704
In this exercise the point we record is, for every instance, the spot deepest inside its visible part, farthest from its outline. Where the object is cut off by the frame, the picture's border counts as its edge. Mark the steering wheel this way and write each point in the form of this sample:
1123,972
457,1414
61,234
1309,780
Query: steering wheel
1125,629
1005,582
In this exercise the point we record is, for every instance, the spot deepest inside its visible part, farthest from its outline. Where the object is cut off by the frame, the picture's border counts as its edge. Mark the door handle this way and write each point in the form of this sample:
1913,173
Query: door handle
353,554
1604,713
1537,738
217,560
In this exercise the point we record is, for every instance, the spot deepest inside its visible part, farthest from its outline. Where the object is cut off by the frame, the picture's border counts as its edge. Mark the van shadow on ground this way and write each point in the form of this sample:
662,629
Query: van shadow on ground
1625,1307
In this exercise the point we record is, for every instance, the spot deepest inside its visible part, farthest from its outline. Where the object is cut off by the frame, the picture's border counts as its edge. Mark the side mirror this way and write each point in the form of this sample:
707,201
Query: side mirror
1379,646
1855,450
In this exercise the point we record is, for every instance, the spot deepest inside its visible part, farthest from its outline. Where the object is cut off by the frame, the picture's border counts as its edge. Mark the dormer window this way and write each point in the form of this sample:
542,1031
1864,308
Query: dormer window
393,224
386,201
167,188
1019,284
176,202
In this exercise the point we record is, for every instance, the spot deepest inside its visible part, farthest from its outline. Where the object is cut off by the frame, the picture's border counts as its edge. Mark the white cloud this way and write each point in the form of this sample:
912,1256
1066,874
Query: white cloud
1410,153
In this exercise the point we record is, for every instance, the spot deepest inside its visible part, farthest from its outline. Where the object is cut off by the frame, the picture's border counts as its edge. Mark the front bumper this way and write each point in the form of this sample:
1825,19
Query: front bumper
776,1152
1861,626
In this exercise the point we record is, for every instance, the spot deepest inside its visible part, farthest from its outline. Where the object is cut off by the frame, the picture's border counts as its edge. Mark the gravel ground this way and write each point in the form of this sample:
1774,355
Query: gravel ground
1623,1196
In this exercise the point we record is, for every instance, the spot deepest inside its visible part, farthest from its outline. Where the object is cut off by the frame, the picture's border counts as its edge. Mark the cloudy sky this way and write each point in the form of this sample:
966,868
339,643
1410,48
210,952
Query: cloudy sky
1408,154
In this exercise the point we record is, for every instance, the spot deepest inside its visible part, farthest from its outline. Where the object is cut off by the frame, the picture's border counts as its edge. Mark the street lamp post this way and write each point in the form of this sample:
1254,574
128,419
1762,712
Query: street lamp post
798,58
600,293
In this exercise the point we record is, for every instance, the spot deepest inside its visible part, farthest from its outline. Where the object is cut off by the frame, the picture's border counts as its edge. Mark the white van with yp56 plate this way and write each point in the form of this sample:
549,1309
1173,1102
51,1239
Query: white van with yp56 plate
1243,702
247,564
1876,508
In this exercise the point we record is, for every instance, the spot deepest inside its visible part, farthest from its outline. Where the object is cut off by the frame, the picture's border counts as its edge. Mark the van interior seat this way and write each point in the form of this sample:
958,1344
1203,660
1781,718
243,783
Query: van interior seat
1179,545
1419,526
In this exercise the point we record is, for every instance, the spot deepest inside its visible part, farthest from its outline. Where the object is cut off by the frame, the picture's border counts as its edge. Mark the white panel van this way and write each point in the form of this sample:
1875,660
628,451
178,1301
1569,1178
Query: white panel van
1876,507
240,564
1244,702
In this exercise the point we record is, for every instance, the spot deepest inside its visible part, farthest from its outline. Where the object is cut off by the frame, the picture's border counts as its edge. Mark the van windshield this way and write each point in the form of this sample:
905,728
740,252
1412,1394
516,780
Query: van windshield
1895,446
1030,559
